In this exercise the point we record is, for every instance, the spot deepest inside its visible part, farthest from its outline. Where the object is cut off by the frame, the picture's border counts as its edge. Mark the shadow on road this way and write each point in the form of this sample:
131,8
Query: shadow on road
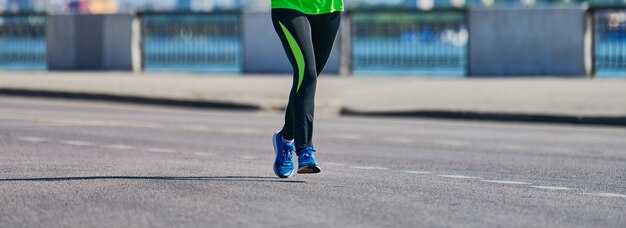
169,178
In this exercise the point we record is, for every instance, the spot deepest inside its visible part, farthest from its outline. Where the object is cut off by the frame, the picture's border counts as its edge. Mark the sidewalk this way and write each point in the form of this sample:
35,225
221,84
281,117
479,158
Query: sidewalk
544,100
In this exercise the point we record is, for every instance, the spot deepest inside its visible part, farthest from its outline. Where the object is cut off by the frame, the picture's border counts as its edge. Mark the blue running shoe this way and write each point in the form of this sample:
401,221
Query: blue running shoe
283,164
306,161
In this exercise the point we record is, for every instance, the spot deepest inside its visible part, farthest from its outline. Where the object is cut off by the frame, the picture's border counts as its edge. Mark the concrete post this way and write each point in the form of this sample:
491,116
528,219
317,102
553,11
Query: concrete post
61,42
89,42
528,42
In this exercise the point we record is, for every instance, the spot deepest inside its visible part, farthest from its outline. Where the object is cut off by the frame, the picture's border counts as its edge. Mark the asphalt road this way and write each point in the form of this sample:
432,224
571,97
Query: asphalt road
90,164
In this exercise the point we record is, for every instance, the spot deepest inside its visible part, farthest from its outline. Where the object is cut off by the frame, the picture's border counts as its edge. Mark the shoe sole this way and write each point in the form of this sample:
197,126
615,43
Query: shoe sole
310,170
276,154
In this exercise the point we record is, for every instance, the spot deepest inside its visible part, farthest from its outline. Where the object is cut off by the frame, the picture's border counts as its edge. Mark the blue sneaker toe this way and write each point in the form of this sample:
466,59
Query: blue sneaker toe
283,164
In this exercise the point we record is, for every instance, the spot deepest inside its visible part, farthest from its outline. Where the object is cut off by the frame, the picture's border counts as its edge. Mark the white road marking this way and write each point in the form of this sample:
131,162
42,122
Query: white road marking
458,176
398,140
606,195
504,182
160,150
512,147
197,128
32,139
417,172
369,167
249,157
346,137
120,147
333,163
203,154
551,187
106,123
77,143
244,131
560,150
451,143
612,152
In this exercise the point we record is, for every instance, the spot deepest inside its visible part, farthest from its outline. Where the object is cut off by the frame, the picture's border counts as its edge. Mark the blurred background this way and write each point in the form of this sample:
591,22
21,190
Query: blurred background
436,113
391,37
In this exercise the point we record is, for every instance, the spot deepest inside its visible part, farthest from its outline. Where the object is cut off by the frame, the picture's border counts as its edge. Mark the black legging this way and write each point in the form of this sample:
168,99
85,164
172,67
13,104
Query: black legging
308,40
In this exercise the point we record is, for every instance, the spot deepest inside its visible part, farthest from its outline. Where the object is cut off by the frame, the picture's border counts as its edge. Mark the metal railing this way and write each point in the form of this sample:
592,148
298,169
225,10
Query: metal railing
22,42
610,42
404,42
431,43
197,42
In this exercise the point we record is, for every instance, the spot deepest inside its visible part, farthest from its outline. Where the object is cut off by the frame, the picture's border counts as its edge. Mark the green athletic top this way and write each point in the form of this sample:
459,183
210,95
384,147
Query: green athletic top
309,6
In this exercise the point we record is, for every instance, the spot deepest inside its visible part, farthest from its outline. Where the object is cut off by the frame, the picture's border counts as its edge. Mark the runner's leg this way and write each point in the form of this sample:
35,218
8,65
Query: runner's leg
294,30
324,28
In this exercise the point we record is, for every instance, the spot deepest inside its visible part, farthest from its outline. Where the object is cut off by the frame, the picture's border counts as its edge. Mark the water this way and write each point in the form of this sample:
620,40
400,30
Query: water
611,59
192,43
22,43
197,54
23,53
209,44
397,57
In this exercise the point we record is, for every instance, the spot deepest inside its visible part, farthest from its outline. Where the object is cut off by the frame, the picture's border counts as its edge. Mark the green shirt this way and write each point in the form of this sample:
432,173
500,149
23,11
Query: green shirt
309,6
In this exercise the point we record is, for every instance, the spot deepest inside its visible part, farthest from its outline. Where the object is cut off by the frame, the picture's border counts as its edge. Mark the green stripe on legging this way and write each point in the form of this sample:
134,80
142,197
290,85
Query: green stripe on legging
297,53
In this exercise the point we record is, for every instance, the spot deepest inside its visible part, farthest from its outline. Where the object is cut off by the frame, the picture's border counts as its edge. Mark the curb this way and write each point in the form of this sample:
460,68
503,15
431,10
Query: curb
130,99
617,121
